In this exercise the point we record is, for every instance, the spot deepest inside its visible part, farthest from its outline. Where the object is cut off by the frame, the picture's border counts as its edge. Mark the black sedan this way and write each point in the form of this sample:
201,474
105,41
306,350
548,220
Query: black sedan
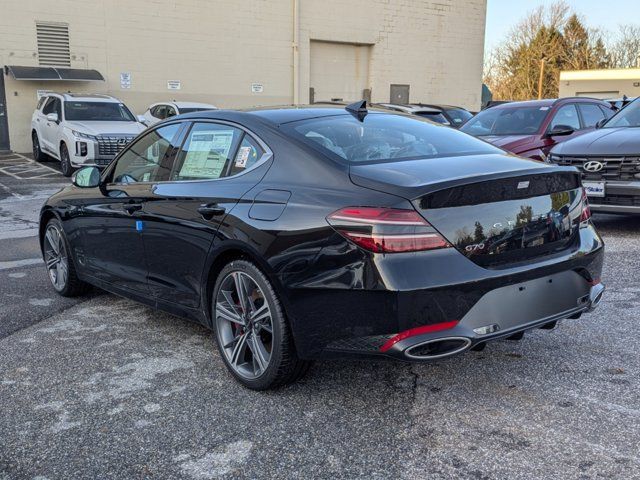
609,159
302,233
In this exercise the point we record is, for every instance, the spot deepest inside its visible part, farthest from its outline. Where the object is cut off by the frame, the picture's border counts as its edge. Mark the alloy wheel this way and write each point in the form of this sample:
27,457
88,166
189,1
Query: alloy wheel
244,325
56,259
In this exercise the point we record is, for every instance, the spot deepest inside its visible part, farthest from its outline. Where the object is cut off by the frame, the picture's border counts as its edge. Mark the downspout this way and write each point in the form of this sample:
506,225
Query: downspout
296,53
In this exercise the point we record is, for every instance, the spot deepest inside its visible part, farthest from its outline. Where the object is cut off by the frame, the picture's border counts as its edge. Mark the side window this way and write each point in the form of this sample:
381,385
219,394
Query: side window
149,159
171,112
50,106
608,113
591,114
41,102
207,152
567,115
161,112
248,154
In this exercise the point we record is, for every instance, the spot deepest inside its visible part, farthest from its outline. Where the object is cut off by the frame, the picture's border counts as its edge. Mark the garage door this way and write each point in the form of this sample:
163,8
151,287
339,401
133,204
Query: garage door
339,71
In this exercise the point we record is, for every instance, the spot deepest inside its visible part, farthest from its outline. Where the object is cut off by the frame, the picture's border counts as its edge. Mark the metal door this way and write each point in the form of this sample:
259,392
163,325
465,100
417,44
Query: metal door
399,94
4,122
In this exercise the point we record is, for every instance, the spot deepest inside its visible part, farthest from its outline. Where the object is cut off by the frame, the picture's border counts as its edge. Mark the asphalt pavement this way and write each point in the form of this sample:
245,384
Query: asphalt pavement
101,387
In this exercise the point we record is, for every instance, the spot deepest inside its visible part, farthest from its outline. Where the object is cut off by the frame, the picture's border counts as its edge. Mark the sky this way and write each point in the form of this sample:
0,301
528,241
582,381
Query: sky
604,14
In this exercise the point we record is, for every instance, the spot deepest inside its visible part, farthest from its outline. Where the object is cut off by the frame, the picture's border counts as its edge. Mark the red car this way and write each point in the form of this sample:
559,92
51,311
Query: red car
531,129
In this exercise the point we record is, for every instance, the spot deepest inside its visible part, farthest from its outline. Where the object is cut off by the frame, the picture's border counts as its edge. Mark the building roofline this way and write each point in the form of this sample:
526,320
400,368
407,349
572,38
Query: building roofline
608,74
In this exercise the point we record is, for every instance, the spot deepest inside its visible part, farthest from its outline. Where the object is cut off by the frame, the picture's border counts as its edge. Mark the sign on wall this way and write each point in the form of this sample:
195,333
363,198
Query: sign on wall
257,88
174,85
125,80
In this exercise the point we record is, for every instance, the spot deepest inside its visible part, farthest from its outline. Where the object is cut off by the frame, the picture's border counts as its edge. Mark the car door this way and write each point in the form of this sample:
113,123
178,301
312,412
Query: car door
216,165
565,115
111,227
49,133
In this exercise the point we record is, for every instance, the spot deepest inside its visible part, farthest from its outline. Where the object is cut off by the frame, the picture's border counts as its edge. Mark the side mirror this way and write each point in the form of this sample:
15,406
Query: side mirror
141,119
86,177
601,122
52,117
560,131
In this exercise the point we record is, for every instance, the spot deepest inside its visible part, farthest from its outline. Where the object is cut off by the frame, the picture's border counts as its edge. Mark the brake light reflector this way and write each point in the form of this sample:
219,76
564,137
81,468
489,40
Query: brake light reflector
586,211
386,230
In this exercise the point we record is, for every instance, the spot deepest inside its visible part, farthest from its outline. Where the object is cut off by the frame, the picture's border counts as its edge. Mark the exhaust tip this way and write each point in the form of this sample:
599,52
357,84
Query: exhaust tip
595,296
438,348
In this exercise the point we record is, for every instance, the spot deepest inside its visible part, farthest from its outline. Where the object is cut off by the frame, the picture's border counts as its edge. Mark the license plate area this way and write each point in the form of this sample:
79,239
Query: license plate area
594,189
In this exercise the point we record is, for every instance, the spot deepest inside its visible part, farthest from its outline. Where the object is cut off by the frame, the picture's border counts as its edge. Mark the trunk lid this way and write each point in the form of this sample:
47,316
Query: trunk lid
495,209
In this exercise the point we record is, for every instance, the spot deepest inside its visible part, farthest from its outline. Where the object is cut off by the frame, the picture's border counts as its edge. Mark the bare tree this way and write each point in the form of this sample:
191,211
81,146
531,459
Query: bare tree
546,41
625,49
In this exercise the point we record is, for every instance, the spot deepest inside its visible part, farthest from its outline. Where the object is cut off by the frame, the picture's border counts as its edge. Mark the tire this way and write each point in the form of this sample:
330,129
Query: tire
65,161
242,331
59,262
38,154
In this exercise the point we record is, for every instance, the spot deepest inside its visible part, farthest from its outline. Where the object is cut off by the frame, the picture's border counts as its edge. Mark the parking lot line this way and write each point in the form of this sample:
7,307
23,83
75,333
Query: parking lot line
19,263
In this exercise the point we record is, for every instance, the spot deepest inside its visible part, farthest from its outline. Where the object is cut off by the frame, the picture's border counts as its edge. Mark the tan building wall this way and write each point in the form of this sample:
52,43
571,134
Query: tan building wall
218,48
602,84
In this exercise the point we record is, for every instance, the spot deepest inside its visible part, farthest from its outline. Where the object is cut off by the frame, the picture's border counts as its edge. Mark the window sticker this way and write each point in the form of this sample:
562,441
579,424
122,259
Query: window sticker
207,154
243,157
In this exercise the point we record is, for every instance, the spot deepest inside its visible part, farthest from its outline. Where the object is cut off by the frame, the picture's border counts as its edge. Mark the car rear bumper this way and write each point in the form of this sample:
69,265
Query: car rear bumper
360,309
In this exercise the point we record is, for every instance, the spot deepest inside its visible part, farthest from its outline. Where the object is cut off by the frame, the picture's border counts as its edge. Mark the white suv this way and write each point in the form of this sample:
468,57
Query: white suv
81,130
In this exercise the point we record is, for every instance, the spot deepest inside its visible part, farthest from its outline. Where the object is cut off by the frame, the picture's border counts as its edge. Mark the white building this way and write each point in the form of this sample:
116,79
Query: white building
238,53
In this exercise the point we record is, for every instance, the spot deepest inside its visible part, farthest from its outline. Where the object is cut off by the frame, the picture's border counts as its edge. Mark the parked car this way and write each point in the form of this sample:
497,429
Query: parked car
446,115
432,114
160,111
457,116
302,233
531,129
609,159
80,130
620,103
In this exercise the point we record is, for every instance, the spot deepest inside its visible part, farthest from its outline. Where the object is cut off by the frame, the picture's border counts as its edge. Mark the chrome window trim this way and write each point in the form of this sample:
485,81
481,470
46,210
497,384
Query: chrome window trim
266,156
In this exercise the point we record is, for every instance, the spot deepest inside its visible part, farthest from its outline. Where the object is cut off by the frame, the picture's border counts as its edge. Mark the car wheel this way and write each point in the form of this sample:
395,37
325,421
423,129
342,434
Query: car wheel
59,262
38,155
65,161
251,330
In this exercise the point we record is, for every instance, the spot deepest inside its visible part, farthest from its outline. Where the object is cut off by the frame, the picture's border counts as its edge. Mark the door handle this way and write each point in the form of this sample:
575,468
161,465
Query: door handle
131,208
211,210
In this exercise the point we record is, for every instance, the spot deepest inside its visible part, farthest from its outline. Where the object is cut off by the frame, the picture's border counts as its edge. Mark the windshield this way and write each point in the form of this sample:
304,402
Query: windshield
434,117
506,121
384,137
629,116
97,111
458,115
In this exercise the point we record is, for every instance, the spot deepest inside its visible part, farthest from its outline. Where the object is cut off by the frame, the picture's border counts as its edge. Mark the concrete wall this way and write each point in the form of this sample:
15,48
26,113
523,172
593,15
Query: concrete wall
219,48
600,83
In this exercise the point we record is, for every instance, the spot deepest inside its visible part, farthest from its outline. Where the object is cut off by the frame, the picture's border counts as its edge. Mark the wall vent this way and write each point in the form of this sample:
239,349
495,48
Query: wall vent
53,44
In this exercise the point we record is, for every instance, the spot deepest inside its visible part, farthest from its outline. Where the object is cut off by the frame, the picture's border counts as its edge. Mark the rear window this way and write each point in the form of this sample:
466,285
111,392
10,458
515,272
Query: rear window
383,137
459,116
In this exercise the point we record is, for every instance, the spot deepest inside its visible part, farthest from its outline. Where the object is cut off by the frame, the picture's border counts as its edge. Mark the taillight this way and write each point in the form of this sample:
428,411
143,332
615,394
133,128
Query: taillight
586,211
386,230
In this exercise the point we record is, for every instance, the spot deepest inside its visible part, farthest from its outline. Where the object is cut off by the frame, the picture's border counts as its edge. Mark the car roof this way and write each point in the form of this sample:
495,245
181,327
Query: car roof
88,97
548,102
413,108
281,114
184,104
438,106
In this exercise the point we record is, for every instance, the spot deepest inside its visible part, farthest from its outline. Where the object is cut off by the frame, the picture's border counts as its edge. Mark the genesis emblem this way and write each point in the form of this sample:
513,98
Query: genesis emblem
593,166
